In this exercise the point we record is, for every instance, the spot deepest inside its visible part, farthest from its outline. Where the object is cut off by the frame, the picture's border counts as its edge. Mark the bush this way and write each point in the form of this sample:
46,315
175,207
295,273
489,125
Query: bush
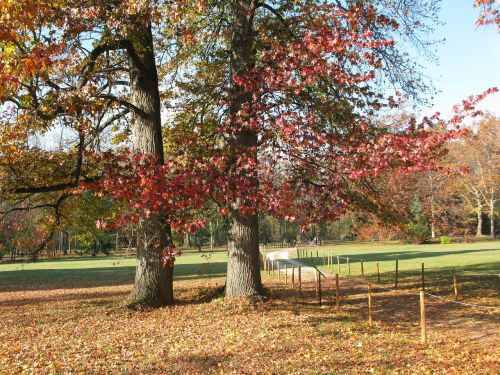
445,240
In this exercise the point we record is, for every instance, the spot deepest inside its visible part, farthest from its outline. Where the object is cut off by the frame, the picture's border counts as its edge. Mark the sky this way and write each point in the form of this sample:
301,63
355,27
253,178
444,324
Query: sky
469,58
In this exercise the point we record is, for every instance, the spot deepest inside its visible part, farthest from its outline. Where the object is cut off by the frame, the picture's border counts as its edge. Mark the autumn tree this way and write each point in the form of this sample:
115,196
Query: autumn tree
479,156
296,133
490,12
89,70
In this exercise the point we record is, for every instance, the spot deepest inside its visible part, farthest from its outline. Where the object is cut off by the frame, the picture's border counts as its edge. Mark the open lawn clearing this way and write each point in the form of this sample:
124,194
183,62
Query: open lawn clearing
75,272
476,255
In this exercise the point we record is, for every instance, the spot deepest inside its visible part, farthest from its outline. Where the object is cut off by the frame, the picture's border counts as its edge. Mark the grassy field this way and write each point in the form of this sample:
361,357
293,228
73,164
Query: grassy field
64,316
475,257
74,272
476,263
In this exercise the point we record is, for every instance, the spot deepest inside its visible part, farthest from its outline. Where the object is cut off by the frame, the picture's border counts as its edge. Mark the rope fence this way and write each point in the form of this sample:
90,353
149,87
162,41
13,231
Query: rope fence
269,265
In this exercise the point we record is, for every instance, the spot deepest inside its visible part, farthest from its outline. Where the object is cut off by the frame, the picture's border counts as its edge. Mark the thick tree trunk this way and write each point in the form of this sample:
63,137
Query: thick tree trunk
153,285
243,268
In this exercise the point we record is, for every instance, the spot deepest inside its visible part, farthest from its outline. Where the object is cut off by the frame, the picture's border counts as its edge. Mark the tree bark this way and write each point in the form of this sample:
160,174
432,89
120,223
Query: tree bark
492,218
243,268
433,218
479,230
187,241
153,285
211,236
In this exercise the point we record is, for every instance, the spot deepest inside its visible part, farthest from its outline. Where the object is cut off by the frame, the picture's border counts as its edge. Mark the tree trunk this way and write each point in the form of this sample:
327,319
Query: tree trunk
187,241
492,218
198,241
433,219
217,241
479,230
153,285
211,236
243,268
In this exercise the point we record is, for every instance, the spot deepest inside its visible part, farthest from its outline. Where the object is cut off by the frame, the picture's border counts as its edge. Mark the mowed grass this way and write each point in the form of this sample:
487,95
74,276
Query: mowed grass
75,272
477,265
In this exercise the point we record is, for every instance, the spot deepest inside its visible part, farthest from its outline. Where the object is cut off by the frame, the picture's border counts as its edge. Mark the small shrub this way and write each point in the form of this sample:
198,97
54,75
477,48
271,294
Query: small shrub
445,240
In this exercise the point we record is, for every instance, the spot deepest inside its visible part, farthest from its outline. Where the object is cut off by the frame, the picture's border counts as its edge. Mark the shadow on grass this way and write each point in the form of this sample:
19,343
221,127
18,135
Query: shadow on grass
470,279
392,255
46,279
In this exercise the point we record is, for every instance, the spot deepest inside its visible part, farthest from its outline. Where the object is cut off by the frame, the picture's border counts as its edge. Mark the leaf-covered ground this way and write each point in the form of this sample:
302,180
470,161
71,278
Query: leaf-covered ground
83,330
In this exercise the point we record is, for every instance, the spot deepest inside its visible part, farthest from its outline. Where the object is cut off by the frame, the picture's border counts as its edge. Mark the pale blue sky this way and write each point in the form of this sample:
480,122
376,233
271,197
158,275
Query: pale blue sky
469,58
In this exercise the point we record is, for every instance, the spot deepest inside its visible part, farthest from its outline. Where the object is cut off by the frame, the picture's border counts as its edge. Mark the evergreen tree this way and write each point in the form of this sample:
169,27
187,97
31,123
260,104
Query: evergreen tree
420,231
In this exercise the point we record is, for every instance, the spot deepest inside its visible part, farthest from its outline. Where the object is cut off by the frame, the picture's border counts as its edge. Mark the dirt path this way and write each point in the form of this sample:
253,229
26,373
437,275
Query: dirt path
308,272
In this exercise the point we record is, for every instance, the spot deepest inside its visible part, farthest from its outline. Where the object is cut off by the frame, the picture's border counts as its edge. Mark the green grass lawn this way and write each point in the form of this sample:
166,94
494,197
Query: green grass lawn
74,272
477,265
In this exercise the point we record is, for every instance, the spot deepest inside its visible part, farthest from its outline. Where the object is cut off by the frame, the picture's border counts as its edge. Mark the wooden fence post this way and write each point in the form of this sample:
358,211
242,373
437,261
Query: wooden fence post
362,269
370,322
378,273
455,288
396,282
300,281
268,266
317,254
337,291
272,265
423,277
286,273
279,270
423,333
348,266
